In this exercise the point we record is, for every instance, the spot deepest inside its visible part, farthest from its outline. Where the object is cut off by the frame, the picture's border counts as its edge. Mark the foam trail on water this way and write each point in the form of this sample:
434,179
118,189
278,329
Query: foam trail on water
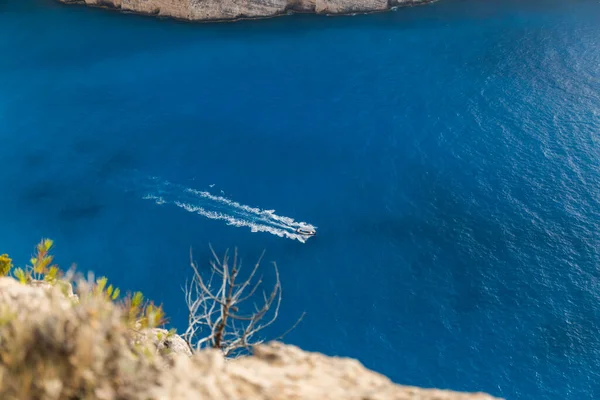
220,208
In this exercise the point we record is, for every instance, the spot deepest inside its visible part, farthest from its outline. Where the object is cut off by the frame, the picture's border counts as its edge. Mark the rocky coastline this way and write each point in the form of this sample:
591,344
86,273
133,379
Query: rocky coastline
234,10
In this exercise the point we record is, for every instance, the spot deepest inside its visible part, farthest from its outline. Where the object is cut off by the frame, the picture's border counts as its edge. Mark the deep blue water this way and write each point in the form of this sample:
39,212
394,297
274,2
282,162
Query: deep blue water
448,155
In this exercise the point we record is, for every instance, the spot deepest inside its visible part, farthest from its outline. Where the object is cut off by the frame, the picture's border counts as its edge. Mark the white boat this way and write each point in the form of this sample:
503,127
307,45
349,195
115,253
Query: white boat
306,231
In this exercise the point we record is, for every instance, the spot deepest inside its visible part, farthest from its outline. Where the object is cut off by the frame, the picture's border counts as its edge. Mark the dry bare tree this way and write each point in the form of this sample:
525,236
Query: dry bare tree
215,319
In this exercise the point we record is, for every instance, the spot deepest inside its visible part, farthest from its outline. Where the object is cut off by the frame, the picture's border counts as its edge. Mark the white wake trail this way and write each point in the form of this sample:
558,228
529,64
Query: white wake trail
220,208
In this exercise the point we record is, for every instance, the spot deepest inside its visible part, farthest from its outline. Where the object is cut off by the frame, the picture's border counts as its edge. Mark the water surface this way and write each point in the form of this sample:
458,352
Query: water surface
448,155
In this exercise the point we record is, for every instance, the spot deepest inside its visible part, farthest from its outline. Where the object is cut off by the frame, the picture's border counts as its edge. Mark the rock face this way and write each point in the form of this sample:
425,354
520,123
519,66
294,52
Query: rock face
54,348
64,287
165,342
347,6
281,372
39,297
217,10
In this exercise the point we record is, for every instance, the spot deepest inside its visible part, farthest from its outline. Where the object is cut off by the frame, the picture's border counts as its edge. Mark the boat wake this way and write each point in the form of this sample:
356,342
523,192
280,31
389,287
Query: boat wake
220,208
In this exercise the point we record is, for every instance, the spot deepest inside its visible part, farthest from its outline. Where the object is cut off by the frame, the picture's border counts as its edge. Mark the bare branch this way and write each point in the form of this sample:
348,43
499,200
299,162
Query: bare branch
214,312
292,328
239,300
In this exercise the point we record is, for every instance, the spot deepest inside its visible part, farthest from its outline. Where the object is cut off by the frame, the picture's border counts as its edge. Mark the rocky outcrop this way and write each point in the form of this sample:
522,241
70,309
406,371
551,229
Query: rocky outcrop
282,372
64,287
39,297
348,6
165,342
219,10
54,348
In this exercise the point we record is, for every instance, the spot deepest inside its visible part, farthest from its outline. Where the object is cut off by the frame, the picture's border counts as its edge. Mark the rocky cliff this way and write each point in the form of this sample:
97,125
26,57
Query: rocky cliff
219,10
55,345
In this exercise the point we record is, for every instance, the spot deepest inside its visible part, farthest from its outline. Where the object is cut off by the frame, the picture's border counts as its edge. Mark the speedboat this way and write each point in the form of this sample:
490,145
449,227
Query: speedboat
306,231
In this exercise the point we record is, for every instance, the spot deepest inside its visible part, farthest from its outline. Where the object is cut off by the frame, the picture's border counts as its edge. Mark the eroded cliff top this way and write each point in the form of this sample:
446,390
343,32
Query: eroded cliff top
56,346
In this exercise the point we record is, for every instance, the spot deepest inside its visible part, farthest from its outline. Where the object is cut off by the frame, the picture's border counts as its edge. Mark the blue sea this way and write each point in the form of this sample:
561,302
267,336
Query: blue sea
448,156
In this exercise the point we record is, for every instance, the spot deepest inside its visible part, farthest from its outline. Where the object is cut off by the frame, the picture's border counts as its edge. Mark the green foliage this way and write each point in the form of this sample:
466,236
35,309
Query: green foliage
52,274
5,264
41,268
109,293
137,300
39,262
137,311
100,285
140,314
42,259
21,275
152,316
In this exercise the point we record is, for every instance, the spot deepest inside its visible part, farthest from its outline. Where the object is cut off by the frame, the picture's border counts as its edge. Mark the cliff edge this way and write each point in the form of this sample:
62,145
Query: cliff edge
55,345
224,10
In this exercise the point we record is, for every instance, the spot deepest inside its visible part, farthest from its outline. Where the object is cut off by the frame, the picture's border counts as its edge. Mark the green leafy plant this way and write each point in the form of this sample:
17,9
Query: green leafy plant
109,293
41,263
5,264
51,274
21,275
41,267
142,314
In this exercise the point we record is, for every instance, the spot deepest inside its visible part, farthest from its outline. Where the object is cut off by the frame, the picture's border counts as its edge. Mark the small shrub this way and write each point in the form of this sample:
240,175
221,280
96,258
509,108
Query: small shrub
21,275
111,292
40,263
140,314
5,264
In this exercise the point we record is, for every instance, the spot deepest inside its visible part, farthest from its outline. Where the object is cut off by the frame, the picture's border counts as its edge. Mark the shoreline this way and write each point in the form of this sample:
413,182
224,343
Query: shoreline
112,8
